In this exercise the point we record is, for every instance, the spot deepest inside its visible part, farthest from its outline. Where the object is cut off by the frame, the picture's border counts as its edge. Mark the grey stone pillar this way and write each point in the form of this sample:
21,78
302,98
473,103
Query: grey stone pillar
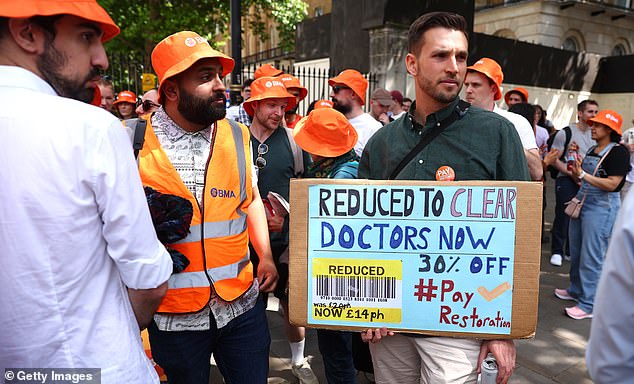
388,48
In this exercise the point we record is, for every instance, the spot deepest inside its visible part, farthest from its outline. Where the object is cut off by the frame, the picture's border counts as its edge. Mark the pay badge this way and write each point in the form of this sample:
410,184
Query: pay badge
445,173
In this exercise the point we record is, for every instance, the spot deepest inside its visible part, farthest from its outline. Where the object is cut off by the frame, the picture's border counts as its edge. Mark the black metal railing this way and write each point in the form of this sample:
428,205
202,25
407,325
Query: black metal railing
268,55
313,79
125,73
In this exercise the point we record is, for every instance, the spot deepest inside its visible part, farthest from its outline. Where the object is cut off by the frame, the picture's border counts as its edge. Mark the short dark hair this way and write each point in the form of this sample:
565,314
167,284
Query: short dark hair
524,109
47,23
4,27
582,106
247,83
614,136
407,99
431,20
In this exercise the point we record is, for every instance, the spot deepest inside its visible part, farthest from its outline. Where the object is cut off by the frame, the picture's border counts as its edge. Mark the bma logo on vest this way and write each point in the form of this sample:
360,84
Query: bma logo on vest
226,193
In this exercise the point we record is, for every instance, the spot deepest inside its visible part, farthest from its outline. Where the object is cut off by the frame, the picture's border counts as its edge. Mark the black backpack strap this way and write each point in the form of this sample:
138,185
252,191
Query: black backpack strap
431,134
139,136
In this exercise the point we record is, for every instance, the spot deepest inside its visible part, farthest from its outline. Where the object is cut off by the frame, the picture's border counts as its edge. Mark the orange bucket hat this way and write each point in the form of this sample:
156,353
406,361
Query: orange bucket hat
177,52
125,97
267,70
86,9
293,82
268,88
519,90
491,69
610,118
323,104
325,132
352,79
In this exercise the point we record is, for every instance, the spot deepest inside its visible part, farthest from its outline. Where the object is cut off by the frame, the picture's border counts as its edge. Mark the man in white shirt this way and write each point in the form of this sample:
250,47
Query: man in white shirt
482,89
81,270
348,97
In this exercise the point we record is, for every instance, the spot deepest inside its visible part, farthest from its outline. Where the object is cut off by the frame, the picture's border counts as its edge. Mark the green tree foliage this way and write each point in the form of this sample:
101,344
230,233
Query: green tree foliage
144,23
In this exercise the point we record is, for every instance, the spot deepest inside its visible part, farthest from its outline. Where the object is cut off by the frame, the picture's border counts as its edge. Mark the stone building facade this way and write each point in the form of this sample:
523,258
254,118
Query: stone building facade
605,28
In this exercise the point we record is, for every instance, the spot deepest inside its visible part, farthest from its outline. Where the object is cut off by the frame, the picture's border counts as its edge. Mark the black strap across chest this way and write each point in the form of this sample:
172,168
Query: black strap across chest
431,134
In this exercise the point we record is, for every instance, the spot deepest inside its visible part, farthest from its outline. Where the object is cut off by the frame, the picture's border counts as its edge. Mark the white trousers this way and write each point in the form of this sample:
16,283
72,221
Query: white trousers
430,360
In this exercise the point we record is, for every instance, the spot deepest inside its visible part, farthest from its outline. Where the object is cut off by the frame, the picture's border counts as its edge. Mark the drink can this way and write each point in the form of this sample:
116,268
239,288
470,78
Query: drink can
489,370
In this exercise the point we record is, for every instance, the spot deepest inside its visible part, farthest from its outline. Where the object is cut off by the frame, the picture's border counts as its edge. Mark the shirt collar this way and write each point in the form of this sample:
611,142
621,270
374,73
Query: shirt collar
162,121
433,118
18,77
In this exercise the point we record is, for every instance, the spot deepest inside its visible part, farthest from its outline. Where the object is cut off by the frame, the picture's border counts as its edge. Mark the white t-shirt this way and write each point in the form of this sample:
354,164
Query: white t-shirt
75,231
366,126
522,126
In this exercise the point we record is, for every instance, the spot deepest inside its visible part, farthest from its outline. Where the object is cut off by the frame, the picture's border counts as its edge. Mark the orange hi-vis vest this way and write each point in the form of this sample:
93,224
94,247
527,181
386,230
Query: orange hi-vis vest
218,243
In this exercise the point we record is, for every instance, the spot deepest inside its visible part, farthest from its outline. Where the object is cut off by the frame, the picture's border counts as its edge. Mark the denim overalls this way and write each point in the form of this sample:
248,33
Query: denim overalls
589,235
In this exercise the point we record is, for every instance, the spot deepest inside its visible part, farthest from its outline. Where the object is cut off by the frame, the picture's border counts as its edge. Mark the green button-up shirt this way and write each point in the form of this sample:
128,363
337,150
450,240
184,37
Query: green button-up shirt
481,145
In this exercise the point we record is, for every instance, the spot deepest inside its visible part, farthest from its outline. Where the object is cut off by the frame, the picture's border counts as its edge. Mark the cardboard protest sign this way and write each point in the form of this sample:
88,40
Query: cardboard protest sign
440,258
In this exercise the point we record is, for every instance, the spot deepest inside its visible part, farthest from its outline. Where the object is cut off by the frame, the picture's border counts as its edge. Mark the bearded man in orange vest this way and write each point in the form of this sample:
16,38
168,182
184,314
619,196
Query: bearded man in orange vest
190,150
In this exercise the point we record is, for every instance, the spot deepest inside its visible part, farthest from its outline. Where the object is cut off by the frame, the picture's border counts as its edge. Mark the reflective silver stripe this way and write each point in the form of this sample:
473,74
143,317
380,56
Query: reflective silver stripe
216,229
199,279
242,161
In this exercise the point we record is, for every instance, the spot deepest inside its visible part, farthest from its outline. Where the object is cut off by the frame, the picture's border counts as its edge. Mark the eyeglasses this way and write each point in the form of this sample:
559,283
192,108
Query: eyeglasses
337,88
149,104
260,161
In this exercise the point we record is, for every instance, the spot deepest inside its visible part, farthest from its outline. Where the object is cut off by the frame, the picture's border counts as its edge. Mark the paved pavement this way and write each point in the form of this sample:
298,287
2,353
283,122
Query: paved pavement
555,355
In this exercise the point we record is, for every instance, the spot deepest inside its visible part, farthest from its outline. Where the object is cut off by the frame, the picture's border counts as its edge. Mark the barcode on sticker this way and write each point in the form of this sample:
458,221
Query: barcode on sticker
355,286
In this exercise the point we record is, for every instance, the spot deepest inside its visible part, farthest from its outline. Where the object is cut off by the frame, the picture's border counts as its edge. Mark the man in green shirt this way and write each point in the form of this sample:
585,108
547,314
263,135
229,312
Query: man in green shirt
478,145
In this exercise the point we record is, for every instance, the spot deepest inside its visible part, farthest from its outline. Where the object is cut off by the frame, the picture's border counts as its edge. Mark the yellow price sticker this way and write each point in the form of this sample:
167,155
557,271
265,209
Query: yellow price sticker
357,267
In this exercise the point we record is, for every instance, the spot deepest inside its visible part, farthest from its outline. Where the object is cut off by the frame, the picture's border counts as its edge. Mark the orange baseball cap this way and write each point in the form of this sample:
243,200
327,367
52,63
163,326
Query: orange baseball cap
177,52
352,79
325,132
268,88
267,70
86,9
125,97
293,82
610,118
519,90
491,69
323,104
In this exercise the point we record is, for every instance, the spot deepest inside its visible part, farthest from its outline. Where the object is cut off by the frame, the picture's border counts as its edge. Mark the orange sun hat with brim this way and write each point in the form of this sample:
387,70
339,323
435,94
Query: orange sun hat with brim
323,104
291,81
268,88
352,79
519,90
325,132
177,52
125,97
86,9
267,70
610,118
491,69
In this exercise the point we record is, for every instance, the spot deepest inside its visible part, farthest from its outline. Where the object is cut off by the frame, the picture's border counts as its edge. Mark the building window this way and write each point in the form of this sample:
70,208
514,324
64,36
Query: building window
570,44
319,11
619,50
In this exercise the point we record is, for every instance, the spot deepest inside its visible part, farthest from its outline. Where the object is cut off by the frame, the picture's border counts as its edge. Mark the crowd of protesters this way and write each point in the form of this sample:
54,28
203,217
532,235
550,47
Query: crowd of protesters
184,235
